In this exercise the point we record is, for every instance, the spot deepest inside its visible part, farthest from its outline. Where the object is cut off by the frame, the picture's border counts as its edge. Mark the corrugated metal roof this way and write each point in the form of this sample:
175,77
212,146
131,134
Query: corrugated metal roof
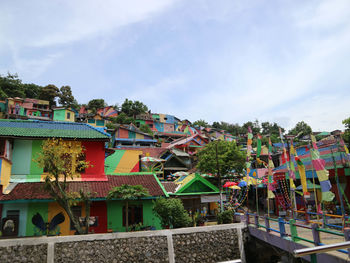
50,129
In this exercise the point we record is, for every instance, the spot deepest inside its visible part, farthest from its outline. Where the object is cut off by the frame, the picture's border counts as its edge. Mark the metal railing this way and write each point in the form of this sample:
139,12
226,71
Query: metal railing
316,228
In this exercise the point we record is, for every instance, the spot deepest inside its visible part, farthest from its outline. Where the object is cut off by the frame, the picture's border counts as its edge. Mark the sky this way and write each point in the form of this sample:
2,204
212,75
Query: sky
224,60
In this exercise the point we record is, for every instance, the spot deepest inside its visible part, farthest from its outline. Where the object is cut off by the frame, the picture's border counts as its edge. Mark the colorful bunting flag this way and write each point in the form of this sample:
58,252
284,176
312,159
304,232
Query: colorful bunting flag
290,172
258,147
322,173
270,166
302,174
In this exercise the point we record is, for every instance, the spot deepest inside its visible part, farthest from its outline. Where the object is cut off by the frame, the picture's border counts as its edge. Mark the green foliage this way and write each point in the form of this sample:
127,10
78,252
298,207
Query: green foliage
301,129
171,212
32,90
11,86
201,123
122,118
225,217
128,192
229,157
96,104
133,108
61,160
146,129
346,135
271,129
66,98
49,93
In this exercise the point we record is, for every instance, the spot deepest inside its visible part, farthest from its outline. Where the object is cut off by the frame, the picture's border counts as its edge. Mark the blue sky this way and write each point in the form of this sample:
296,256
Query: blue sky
224,60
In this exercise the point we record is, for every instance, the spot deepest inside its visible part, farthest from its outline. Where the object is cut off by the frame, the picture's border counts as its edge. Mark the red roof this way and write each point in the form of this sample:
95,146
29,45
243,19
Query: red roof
30,191
170,187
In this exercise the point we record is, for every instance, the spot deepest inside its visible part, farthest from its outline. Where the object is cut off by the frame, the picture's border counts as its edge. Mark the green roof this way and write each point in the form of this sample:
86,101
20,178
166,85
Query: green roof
50,129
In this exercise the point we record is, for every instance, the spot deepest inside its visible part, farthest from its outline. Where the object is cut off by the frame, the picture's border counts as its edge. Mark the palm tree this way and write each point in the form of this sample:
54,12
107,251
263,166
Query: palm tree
127,192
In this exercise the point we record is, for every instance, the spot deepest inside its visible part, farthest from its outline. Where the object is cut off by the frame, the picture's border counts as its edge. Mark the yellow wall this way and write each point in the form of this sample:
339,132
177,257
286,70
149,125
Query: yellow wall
5,173
139,136
54,209
72,119
128,161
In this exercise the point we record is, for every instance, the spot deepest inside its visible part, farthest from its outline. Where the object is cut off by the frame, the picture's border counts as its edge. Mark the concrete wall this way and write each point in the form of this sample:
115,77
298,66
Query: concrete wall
197,244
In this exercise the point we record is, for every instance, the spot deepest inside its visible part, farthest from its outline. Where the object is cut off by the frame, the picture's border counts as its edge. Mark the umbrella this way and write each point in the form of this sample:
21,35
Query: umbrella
242,183
228,184
178,174
234,187
151,159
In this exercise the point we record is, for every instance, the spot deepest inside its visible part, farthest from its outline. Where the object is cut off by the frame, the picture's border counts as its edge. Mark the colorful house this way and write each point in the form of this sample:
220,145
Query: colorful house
20,142
197,194
175,161
130,136
28,109
27,199
108,112
190,144
63,114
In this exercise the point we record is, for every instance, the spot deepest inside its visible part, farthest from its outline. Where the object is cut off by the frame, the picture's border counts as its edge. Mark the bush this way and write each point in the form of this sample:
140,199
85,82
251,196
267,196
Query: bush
171,213
225,217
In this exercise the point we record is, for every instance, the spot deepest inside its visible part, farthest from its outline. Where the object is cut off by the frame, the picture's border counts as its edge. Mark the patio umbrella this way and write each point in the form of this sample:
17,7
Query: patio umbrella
178,174
234,187
310,186
228,184
242,183
151,159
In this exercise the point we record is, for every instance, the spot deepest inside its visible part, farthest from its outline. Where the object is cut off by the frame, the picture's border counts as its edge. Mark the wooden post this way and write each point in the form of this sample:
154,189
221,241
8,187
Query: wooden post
315,234
267,223
293,230
247,219
281,227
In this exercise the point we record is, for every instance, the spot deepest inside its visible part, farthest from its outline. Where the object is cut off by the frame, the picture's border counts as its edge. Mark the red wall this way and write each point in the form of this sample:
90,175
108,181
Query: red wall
95,155
123,133
99,209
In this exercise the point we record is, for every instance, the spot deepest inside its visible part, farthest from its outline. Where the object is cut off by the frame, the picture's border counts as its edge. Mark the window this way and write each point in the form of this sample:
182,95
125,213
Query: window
91,121
68,115
135,215
77,213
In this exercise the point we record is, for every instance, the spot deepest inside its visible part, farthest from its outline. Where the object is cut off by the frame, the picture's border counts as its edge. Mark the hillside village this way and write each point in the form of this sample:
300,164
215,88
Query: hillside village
162,158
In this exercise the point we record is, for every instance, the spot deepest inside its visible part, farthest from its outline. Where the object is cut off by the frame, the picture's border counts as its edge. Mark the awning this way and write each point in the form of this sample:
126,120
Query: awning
212,198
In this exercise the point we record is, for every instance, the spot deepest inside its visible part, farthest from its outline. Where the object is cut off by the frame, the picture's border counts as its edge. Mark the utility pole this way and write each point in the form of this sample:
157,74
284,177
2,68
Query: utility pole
219,175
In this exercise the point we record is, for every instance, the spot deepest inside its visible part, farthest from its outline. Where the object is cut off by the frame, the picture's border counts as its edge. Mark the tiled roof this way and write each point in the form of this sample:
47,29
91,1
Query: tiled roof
31,191
170,187
50,129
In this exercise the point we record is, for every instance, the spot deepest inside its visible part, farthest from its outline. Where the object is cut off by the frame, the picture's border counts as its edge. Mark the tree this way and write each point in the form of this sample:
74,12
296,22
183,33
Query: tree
146,129
122,118
62,159
96,104
301,129
171,213
49,93
346,135
66,98
133,108
11,86
32,90
201,123
221,157
254,126
127,192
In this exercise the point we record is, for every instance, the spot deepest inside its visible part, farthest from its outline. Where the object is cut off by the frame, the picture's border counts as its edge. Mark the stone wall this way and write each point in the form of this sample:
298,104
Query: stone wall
205,247
196,244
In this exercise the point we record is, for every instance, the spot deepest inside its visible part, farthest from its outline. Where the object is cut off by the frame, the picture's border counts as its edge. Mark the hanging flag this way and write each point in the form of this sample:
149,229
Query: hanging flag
258,147
302,174
249,151
285,155
322,173
270,166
